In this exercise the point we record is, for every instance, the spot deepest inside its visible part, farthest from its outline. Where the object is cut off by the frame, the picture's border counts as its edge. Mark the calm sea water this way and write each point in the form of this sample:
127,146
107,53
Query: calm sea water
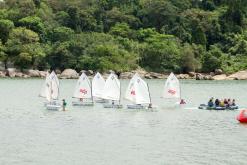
29,134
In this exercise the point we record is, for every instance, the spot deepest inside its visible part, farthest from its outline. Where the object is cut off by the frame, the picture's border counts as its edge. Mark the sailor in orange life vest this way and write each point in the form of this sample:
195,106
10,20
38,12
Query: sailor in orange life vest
182,101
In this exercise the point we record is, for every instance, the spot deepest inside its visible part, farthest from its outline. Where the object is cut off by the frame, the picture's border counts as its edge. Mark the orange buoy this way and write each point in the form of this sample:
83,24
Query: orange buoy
242,117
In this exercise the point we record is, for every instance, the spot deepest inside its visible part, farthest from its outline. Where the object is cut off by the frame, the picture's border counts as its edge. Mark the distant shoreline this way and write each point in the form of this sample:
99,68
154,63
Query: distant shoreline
72,74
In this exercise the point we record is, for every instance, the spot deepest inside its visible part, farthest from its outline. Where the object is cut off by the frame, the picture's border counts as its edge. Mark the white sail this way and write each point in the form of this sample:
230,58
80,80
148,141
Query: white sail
98,84
46,90
54,86
83,87
49,90
142,95
130,92
172,87
111,89
43,92
54,77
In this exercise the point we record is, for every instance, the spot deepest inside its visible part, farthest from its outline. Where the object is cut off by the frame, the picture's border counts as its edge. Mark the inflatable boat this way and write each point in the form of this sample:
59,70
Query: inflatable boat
206,107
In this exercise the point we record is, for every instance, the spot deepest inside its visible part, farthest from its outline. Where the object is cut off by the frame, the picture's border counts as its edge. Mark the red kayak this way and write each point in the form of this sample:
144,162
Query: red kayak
242,117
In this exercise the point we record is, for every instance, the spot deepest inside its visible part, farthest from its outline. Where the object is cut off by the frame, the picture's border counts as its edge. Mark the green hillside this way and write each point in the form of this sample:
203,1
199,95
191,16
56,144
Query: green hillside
157,35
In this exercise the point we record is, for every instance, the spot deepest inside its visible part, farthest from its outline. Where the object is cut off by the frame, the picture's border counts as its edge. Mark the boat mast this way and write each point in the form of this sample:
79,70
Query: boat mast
149,94
120,92
180,91
91,92
51,92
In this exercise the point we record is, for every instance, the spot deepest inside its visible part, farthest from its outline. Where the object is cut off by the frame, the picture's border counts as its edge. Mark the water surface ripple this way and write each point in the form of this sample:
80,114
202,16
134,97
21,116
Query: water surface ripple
96,136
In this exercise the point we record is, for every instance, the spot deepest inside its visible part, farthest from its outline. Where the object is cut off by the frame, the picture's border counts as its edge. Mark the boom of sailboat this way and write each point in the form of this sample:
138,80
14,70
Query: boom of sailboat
108,91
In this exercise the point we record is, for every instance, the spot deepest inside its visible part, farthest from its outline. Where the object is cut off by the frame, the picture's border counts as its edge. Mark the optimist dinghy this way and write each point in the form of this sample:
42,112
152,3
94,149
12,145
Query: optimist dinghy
112,92
172,88
83,92
50,91
98,84
138,93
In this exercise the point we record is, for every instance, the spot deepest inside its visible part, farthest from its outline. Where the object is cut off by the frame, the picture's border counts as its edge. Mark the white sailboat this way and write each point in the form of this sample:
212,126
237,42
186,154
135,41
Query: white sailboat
83,92
172,88
44,90
112,92
50,91
138,93
130,92
98,84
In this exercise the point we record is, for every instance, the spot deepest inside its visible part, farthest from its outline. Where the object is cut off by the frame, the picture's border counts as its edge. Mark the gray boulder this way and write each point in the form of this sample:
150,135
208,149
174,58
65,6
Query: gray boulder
212,74
218,71
192,74
19,74
2,74
11,72
58,71
220,77
42,74
199,76
241,75
33,73
69,74
141,72
147,76
105,75
25,76
82,71
126,75
183,76
207,77
157,75
110,71
89,72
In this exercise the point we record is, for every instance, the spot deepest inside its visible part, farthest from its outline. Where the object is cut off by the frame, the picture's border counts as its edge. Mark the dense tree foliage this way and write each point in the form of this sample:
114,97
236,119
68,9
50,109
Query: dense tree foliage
157,35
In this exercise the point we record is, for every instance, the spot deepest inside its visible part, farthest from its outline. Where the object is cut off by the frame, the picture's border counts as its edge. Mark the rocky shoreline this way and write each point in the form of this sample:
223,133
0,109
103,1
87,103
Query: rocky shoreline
72,74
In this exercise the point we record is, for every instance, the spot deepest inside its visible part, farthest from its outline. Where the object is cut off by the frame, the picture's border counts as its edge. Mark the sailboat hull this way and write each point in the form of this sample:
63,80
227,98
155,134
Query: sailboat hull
54,102
115,106
136,106
79,103
54,107
102,101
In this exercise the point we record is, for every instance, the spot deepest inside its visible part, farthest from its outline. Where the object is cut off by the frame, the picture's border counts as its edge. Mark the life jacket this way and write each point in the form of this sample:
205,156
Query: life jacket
222,104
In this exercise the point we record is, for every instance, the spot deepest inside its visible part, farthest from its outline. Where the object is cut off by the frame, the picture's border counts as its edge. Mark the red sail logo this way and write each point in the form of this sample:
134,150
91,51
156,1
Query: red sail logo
83,91
172,92
133,92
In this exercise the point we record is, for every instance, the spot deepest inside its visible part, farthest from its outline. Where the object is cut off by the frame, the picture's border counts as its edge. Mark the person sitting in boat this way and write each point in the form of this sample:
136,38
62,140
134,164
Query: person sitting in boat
229,102
226,102
81,99
211,103
150,105
182,101
217,102
233,102
222,104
